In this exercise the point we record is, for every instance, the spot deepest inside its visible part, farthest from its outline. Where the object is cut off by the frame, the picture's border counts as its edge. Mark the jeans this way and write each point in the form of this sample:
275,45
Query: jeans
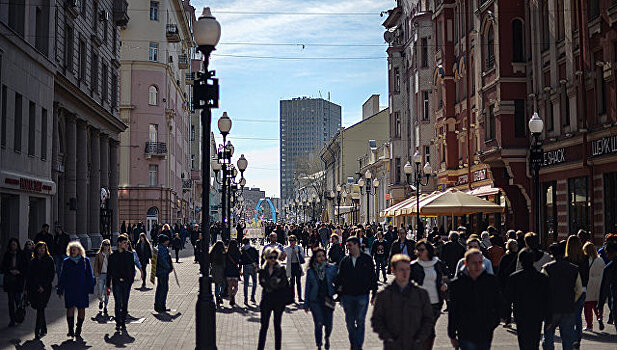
265,323
380,265
578,317
566,331
14,302
296,276
59,259
219,288
122,290
101,289
469,345
249,273
355,307
322,317
160,296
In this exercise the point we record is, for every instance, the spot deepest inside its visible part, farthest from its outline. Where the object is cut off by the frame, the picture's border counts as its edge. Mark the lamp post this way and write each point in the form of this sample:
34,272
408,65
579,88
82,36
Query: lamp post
536,127
338,203
313,202
375,187
207,32
426,173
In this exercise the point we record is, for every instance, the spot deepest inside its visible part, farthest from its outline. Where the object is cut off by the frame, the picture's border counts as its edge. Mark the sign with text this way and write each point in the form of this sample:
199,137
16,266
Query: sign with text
605,145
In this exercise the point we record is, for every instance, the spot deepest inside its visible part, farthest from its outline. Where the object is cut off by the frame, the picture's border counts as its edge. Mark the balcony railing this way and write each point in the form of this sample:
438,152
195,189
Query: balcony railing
189,78
156,148
490,62
173,36
183,61
121,17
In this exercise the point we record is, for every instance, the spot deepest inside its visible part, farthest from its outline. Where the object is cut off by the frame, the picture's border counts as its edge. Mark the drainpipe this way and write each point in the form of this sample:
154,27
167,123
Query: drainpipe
468,98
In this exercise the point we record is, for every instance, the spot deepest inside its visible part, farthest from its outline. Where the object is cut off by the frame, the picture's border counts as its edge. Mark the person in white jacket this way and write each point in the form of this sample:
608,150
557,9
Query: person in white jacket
596,267
293,267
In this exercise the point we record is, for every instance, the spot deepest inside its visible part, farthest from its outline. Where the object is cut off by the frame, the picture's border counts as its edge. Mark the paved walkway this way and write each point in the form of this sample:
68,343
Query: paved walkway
236,328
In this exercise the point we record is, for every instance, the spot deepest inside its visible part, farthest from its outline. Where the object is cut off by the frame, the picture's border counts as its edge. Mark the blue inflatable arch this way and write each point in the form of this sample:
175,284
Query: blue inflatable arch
258,209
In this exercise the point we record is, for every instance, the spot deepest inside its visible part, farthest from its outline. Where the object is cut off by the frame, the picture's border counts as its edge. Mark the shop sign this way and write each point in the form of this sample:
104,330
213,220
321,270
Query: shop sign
553,157
478,175
28,184
605,145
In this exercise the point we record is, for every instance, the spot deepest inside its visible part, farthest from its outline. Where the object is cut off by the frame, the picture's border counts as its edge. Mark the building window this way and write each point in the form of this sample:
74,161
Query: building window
41,40
519,118
550,117
82,61
114,90
17,15
153,132
437,34
490,49
610,202
43,134
549,215
153,52
31,128
424,52
565,103
396,80
153,95
559,9
154,10
153,175
397,124
17,121
94,72
192,162
397,169
192,132
600,84
95,17
427,154
4,117
546,32
594,9
489,128
425,106
578,203
68,48
518,54
105,83
105,29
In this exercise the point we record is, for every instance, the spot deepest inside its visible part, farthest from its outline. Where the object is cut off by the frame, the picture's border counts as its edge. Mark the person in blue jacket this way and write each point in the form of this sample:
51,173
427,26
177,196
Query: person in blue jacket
163,269
75,283
318,294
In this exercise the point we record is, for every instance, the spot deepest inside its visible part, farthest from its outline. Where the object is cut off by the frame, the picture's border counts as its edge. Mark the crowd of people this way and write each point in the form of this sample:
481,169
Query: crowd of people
481,280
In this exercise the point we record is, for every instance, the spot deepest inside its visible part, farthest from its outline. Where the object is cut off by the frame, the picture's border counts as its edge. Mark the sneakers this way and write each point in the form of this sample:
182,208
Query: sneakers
601,324
588,329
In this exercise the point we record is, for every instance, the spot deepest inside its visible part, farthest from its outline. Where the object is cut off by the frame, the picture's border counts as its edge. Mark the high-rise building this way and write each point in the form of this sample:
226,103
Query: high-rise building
306,124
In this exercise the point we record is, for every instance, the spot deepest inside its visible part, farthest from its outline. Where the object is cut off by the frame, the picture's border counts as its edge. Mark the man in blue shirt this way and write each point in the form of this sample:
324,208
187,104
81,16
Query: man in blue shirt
163,269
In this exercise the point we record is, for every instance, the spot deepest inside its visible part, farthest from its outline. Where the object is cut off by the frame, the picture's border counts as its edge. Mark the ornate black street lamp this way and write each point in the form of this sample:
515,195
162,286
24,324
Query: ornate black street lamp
427,171
207,32
536,158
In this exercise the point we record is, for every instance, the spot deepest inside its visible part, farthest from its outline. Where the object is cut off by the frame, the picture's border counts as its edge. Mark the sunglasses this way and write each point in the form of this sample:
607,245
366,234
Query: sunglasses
105,244
420,250
272,257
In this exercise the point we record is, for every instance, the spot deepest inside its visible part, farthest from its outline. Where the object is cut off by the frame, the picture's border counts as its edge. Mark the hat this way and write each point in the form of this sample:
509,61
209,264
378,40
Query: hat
462,228
163,238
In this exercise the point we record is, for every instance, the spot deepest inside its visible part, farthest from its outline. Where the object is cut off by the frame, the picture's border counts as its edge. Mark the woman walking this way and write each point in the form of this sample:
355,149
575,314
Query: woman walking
100,273
273,280
14,268
176,244
76,282
507,265
431,274
144,252
28,249
596,267
574,254
232,270
318,295
217,263
41,271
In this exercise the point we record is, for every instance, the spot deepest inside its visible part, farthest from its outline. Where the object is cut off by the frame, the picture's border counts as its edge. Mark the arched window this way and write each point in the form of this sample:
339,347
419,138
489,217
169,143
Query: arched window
517,41
153,95
490,48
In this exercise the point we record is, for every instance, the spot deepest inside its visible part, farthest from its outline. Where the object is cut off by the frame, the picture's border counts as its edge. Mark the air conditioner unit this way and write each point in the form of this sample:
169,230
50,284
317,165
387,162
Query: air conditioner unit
104,15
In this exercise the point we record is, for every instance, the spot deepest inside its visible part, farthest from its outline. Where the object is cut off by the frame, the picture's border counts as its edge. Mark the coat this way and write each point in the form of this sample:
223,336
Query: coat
144,251
40,274
417,275
76,282
14,283
595,278
289,251
403,319
273,293
311,285
529,291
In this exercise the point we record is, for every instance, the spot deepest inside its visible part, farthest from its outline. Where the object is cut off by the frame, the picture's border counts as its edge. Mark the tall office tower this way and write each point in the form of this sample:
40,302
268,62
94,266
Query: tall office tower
306,124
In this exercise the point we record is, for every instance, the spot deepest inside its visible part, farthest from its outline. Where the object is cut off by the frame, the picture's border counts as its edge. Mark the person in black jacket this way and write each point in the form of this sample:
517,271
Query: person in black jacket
528,290
402,245
58,250
45,236
451,252
428,268
273,279
38,285
120,276
379,252
176,244
144,252
14,268
475,305
249,259
608,286
507,265
336,252
356,278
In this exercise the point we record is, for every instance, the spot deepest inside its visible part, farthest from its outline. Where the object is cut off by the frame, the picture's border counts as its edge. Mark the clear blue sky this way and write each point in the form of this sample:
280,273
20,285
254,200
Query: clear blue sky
252,87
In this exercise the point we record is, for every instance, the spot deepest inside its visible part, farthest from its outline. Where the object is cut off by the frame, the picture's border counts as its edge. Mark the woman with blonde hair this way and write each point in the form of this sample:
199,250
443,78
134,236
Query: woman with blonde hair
75,283
100,273
574,254
596,267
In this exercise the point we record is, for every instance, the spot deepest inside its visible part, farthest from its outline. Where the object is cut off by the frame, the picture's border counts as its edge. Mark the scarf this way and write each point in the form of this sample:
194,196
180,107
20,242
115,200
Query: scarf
75,258
320,269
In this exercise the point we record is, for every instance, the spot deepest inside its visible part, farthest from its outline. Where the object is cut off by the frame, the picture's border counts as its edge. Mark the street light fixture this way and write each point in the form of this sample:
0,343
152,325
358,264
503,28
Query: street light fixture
338,203
207,33
224,124
425,173
536,158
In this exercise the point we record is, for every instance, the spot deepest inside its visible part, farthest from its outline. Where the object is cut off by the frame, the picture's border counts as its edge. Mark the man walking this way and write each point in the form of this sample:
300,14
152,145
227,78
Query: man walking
356,278
402,245
452,252
163,269
249,259
120,276
293,268
379,254
61,241
403,317
324,234
475,305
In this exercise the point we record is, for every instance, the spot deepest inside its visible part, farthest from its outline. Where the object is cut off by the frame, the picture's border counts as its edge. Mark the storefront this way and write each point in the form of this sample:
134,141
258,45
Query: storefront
25,205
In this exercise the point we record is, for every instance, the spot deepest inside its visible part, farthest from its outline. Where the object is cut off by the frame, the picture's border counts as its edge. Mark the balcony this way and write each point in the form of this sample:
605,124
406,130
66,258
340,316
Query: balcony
189,78
121,17
183,61
155,149
173,35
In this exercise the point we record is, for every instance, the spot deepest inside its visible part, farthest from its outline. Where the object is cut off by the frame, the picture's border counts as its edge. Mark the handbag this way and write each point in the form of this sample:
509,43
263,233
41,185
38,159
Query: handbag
300,258
20,313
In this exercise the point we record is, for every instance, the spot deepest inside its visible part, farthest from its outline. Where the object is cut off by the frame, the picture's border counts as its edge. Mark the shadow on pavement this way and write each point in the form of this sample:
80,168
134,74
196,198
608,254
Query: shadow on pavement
101,318
119,340
71,345
166,317
601,337
34,344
